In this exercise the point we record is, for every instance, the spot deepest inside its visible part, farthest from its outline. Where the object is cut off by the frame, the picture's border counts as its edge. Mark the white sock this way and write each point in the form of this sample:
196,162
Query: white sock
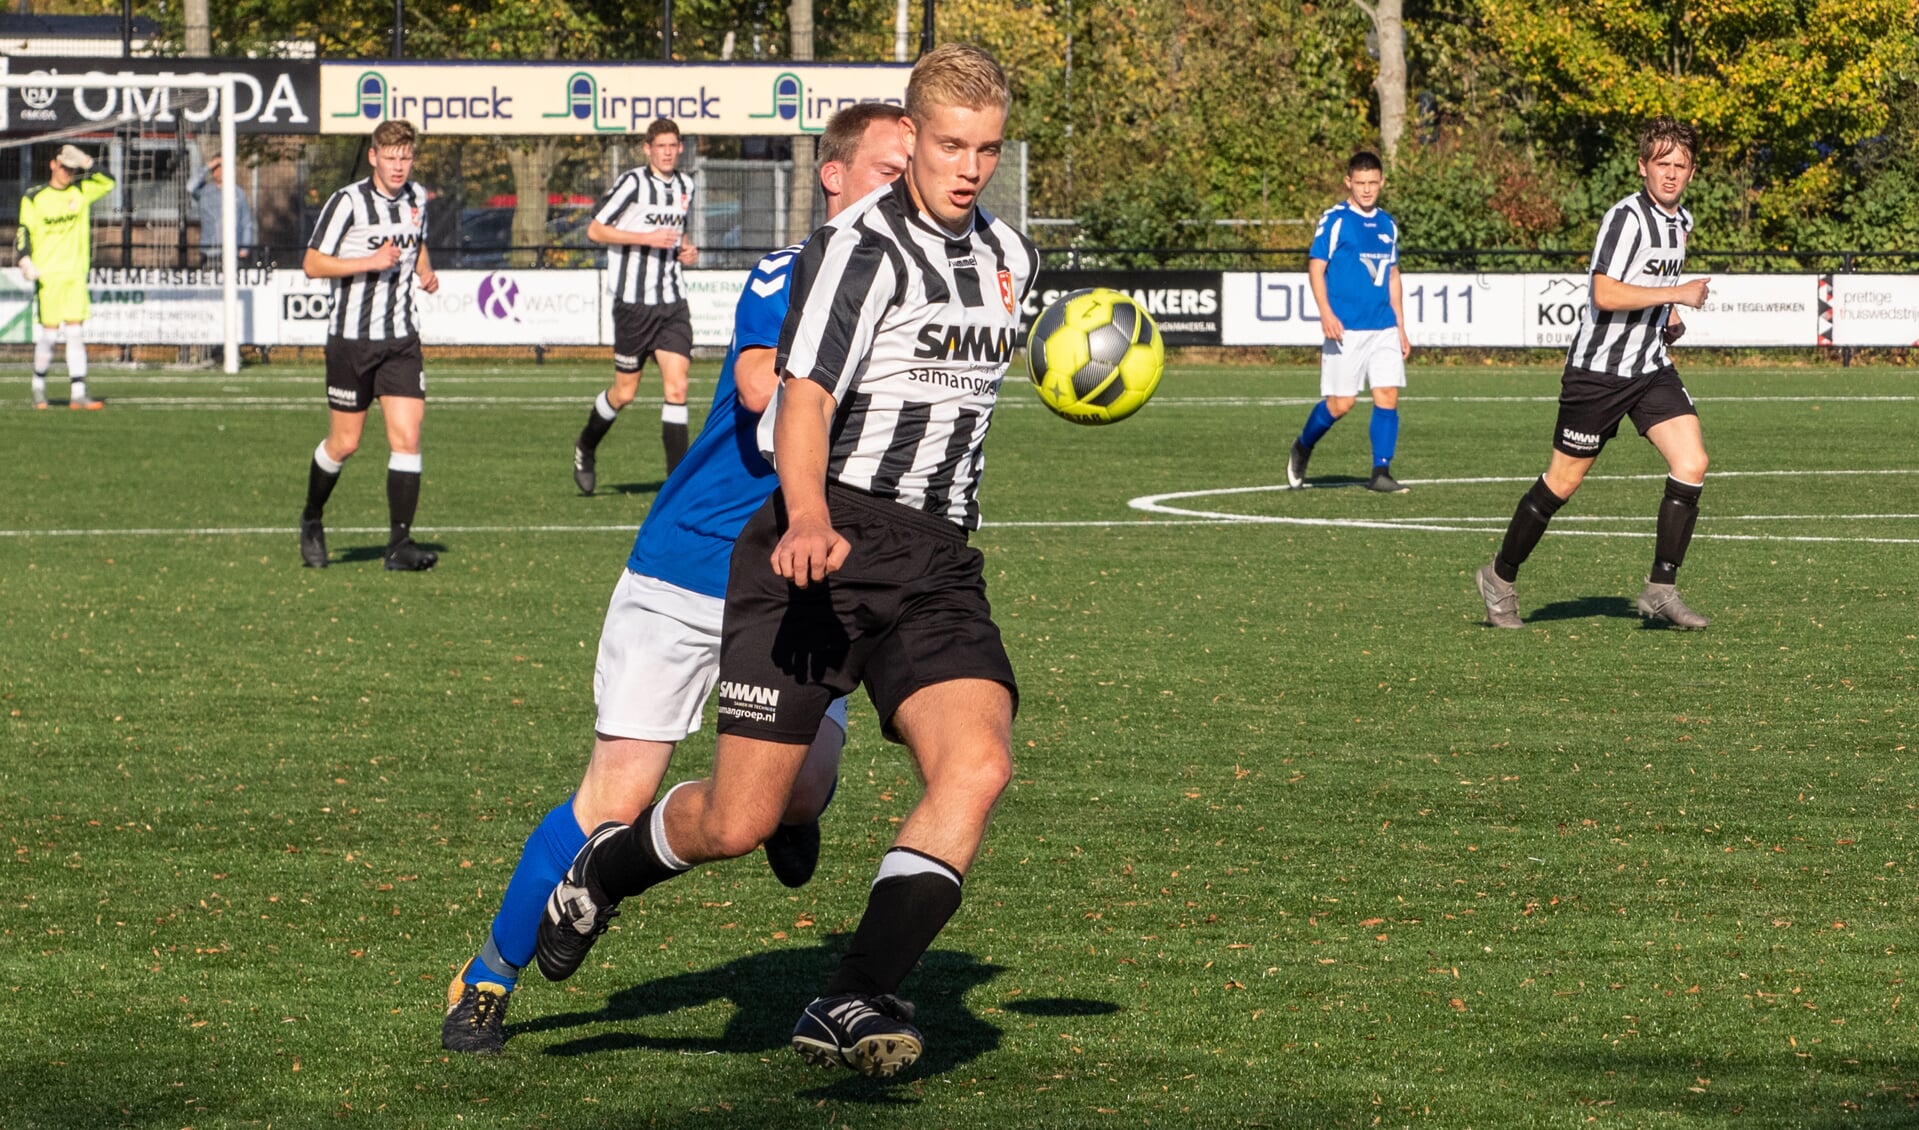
604,407
39,387
43,353
76,364
672,413
656,830
327,462
402,461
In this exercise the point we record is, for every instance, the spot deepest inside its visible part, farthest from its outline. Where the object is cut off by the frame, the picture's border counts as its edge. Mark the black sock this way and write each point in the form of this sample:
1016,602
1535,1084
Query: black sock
320,483
673,437
906,909
629,862
1535,510
597,425
1678,511
402,499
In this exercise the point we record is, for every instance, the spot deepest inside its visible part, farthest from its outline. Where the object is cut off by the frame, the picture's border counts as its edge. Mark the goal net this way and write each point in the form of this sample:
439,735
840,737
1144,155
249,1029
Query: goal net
158,276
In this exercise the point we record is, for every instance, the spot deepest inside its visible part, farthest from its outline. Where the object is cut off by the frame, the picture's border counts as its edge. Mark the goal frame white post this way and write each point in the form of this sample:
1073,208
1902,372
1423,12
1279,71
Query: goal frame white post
220,85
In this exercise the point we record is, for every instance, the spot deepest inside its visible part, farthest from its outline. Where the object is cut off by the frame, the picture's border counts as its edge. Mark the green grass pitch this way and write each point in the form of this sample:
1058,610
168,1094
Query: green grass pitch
1295,841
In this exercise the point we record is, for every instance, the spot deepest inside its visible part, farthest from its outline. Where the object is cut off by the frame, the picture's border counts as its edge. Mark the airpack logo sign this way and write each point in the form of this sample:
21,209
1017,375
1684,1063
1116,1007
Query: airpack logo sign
574,99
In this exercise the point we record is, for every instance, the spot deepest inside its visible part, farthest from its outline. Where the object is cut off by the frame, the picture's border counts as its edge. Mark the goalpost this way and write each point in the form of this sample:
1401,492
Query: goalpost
220,87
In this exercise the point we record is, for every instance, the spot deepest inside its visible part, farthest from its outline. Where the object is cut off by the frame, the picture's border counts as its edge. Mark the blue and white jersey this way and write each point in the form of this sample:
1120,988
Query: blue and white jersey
1360,250
687,538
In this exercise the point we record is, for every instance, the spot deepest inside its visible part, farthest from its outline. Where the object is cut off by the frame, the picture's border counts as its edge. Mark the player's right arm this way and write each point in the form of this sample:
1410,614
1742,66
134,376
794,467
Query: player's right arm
1320,254
323,259
811,548
625,195
1619,241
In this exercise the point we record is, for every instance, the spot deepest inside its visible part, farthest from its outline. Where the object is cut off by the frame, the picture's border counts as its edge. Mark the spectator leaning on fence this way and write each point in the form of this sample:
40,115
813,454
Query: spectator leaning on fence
204,187
55,243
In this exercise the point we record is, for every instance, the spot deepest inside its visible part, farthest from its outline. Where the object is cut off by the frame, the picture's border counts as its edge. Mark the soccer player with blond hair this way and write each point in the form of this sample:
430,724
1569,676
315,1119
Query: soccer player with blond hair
857,570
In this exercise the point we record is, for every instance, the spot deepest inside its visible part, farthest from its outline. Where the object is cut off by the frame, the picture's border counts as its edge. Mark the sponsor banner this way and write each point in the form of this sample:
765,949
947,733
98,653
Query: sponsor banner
1184,304
509,307
142,306
590,98
1552,306
270,96
1875,309
1268,308
1461,310
1543,311
710,297
1757,310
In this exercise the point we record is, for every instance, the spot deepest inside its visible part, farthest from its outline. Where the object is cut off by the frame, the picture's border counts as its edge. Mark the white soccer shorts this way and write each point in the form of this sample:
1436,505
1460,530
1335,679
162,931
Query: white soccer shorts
659,658
1366,359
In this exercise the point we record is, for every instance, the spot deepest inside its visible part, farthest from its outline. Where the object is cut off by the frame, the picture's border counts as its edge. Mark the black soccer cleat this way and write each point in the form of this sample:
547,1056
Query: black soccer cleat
475,1017
1296,465
577,912
583,474
870,1035
313,543
1383,482
407,557
793,852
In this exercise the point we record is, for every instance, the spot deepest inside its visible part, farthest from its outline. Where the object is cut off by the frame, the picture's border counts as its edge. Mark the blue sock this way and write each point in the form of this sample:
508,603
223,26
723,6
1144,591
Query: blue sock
549,852
1318,424
1384,428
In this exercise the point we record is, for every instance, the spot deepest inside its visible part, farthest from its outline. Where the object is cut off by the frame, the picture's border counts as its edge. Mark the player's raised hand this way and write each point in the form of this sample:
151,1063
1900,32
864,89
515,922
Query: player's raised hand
1693,293
386,256
809,550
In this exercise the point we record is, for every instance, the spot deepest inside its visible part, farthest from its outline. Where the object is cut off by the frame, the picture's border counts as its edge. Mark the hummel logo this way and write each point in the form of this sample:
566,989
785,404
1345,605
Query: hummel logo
748,693
766,288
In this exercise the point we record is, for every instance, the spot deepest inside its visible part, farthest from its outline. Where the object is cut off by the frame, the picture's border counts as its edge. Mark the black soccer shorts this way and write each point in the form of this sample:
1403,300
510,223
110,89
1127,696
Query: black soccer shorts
640,330
907,610
358,370
1592,404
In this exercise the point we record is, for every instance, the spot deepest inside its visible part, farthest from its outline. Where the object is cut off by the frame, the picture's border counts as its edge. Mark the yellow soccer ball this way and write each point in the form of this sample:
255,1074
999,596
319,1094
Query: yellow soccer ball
1095,356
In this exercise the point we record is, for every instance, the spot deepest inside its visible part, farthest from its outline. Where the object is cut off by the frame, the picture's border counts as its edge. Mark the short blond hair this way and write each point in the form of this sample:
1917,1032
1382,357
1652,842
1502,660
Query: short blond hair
956,74
393,133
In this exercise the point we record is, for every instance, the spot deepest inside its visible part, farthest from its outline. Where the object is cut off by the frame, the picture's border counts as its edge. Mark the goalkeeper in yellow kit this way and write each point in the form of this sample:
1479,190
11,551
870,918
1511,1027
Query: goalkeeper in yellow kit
56,250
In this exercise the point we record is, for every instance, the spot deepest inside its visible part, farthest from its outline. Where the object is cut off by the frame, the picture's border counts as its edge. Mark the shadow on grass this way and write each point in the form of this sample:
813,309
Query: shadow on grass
359,553
768,991
1877,1091
650,487
1585,608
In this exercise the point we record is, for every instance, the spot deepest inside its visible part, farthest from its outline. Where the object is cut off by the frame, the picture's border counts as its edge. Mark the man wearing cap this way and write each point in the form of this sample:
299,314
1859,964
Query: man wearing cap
55,245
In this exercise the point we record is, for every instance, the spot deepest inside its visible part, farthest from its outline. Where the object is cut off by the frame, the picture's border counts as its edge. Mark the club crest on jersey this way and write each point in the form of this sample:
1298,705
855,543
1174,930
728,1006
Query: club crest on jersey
1006,288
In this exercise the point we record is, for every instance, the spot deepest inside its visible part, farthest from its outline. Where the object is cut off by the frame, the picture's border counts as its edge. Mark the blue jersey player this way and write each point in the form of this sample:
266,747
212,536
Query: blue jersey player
1354,269
660,644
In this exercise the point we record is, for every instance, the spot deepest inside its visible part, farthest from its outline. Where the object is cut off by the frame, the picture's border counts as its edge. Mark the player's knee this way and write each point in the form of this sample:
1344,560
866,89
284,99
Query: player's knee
1339,405
1691,469
342,449
979,779
730,831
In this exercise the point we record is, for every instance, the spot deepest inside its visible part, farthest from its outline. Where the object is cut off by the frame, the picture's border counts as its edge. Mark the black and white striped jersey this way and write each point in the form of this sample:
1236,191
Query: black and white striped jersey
911,330
644,201
376,305
1642,244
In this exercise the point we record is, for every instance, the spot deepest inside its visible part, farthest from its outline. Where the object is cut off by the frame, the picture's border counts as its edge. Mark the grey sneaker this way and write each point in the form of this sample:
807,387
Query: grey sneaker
584,475
1296,465
1661,602
40,400
1383,482
1502,600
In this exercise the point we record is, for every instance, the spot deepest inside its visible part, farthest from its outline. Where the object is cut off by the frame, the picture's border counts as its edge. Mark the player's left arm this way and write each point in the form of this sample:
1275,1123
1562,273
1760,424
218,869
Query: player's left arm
1395,295
423,268
94,186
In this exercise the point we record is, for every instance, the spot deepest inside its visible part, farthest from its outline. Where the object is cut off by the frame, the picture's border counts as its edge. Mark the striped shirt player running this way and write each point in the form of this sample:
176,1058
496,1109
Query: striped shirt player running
904,315
660,645
644,221
1354,270
1617,368
371,242
55,245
